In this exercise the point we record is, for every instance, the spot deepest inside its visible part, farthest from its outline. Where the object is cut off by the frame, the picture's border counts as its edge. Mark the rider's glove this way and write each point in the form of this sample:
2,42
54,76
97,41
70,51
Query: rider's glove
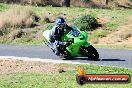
57,43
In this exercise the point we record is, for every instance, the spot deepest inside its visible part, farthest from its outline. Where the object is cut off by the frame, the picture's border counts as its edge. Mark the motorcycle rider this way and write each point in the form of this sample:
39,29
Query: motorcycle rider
57,32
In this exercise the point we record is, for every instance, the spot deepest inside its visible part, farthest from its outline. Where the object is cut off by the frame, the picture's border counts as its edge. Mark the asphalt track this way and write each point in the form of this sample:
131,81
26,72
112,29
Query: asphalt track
111,57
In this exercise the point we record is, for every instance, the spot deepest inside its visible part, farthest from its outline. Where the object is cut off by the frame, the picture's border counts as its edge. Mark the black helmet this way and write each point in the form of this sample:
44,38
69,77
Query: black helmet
60,22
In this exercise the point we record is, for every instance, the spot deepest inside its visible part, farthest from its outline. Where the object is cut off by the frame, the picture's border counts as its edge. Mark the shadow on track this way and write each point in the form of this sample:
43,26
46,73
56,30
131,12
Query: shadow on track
89,59
112,60
80,58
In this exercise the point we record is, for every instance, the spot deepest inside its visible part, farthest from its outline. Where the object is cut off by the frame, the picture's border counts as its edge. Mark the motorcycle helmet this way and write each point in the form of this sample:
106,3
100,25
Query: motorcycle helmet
60,22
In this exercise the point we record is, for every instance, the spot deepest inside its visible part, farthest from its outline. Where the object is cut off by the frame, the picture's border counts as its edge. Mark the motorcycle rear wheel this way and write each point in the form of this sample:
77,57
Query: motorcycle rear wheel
67,55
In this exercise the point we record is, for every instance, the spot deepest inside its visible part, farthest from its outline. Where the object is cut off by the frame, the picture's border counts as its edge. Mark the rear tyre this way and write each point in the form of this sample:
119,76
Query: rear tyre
67,55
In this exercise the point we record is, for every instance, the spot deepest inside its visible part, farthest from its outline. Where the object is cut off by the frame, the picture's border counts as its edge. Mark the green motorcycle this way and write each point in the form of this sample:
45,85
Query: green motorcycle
76,46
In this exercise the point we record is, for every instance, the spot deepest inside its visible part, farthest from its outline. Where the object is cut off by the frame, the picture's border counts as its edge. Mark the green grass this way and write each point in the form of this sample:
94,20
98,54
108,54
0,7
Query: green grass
99,34
112,25
3,7
60,80
118,16
114,46
28,41
115,19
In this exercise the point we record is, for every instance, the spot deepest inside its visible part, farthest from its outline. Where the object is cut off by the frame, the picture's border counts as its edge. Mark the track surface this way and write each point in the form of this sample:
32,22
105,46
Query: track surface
112,57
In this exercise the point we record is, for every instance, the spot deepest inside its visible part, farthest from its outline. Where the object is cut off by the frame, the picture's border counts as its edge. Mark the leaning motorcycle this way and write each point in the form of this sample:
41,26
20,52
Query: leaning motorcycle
76,44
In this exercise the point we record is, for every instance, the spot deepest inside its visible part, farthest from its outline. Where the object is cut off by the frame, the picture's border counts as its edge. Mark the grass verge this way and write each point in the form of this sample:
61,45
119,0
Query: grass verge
113,19
60,80
114,46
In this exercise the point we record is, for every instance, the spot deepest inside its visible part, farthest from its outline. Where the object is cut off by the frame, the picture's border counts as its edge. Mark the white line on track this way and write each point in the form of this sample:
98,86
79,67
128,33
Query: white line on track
47,60
38,59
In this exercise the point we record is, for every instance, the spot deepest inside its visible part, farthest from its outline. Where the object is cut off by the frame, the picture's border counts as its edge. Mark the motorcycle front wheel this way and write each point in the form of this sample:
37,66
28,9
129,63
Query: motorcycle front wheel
93,53
90,52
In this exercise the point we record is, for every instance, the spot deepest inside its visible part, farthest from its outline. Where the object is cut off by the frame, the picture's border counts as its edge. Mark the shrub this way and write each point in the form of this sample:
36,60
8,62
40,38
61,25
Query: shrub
100,33
86,23
15,34
86,1
34,2
16,18
47,20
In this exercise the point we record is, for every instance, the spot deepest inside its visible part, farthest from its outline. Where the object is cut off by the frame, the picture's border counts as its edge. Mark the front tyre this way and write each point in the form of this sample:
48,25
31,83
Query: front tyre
92,53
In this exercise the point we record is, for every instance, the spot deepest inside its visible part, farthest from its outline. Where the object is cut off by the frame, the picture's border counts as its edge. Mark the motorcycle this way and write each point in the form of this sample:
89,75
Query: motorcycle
76,44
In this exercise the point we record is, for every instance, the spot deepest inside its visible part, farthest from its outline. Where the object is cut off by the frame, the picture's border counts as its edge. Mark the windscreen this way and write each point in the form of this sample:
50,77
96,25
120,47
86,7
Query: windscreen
75,32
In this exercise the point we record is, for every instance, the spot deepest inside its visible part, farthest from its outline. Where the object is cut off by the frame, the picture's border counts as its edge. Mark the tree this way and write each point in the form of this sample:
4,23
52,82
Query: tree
107,1
66,3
